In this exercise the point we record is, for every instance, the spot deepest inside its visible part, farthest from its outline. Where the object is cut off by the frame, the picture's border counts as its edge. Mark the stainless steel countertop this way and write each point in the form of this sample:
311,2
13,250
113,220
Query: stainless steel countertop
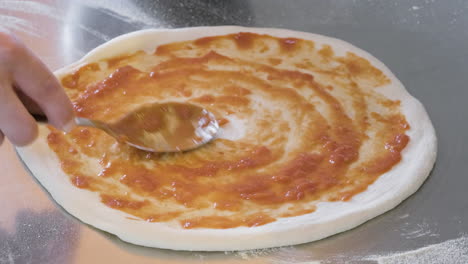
424,42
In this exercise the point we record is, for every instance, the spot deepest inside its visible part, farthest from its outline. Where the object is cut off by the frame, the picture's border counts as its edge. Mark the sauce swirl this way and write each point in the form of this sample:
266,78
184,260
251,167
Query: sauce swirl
316,130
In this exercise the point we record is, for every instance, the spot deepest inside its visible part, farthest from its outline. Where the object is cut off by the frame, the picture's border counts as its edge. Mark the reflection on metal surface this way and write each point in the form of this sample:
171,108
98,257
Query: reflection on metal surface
423,42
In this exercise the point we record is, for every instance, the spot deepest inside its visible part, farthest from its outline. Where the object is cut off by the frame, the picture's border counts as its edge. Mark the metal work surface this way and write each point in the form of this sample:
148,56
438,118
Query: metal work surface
425,43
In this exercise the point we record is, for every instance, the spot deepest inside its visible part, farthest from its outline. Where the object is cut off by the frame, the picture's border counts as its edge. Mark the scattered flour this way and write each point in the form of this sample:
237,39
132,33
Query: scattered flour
9,22
30,7
453,251
421,229
403,216
124,10
255,253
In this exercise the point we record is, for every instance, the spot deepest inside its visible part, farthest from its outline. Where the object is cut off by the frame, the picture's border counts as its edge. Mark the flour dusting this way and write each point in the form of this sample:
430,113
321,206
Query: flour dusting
403,216
453,251
30,7
416,230
124,10
10,22
255,253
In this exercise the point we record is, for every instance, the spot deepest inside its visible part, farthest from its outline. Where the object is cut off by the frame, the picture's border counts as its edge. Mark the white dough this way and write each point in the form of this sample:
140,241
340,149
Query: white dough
330,218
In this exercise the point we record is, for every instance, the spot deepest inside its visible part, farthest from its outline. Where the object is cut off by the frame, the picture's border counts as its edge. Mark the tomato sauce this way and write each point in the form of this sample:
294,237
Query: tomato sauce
311,138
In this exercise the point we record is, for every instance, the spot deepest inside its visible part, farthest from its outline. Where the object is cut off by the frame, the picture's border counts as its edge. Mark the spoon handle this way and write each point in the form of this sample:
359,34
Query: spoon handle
79,120
84,122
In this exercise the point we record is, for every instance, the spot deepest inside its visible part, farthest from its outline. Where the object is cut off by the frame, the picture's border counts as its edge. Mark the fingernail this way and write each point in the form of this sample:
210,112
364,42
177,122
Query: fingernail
69,125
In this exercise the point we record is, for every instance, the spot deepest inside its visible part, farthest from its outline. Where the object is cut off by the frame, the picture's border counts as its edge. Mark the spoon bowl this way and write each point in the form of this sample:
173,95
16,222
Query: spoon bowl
161,127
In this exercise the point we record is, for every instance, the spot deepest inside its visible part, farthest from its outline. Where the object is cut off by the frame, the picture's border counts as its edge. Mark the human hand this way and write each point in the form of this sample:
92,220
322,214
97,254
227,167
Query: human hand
27,85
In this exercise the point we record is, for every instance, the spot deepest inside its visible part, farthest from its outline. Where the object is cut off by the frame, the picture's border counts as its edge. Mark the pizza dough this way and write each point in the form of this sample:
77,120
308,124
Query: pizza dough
325,219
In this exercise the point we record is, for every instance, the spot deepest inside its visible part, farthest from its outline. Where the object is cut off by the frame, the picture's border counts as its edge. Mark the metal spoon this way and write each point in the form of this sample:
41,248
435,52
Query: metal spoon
161,127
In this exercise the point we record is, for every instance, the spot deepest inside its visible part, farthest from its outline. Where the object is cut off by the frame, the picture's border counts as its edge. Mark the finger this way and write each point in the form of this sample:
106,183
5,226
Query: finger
15,121
2,137
38,83
29,103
